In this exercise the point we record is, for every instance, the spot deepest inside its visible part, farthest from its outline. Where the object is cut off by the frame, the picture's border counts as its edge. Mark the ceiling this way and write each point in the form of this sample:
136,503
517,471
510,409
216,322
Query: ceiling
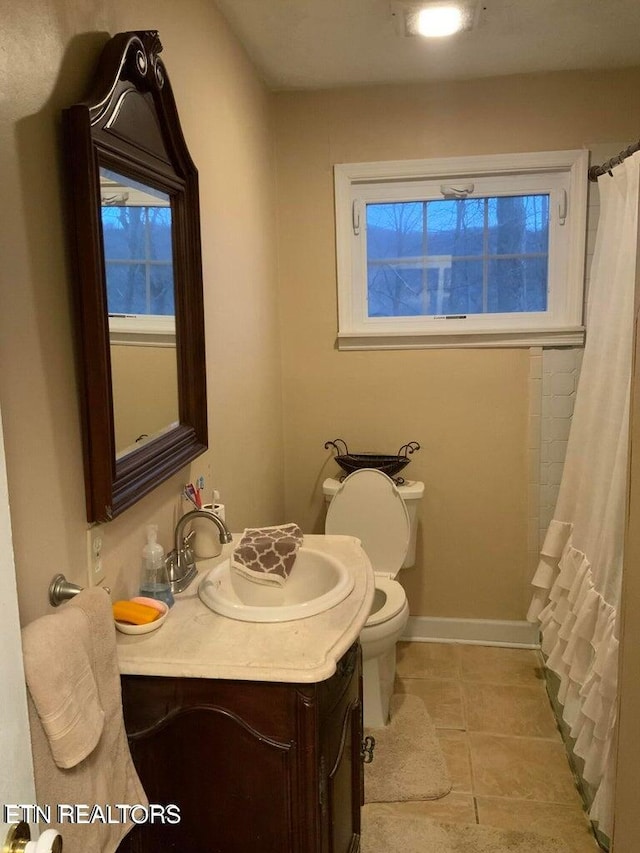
312,44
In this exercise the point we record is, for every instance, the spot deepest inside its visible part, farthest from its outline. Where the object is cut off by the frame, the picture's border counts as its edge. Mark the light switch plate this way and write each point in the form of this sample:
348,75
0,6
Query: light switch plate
95,570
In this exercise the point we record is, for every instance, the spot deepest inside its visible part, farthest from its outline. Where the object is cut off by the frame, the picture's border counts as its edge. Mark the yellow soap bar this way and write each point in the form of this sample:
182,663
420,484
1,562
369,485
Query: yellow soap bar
134,613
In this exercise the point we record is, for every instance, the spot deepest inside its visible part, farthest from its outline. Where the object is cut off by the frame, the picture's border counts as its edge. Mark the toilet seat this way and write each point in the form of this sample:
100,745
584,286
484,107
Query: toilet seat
395,600
368,505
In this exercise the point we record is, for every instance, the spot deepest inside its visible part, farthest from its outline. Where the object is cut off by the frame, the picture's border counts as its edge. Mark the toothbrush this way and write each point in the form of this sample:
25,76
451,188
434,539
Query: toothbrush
190,494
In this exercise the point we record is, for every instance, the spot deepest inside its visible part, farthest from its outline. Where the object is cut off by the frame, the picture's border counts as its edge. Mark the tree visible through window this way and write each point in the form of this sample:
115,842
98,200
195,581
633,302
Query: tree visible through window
458,256
138,259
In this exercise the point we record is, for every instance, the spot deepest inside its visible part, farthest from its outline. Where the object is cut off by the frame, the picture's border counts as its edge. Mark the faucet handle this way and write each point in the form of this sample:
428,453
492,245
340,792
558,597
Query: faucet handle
171,564
187,556
181,569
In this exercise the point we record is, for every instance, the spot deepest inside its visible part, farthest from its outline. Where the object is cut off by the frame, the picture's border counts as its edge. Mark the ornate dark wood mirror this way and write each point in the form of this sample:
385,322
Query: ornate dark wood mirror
135,241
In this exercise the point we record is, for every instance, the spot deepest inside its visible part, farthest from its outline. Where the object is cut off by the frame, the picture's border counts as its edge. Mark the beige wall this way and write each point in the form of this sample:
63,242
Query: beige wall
145,391
49,49
468,409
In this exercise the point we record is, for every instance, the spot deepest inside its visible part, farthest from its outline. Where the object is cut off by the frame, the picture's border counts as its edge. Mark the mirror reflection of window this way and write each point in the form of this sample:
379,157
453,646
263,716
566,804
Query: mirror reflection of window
138,256
137,246
138,251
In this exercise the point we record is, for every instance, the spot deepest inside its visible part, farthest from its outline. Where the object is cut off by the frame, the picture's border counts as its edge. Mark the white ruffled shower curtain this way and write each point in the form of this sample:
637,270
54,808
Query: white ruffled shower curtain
578,580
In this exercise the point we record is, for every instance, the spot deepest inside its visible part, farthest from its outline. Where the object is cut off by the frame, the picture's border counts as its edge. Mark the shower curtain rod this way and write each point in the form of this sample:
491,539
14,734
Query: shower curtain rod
595,171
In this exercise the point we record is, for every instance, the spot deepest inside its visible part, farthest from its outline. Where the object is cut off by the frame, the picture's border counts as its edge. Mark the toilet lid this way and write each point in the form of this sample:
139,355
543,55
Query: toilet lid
368,505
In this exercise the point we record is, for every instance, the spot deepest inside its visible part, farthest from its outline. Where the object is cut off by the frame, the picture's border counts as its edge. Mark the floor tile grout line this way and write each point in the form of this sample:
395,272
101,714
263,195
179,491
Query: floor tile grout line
470,765
463,708
486,682
475,808
555,739
569,806
516,737
564,804
450,729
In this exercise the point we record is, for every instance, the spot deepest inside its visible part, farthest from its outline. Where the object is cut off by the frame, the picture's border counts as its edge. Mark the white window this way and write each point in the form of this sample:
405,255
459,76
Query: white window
473,251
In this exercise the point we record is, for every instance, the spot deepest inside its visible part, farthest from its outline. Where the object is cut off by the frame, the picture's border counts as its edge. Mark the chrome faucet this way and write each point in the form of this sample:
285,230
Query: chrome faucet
181,563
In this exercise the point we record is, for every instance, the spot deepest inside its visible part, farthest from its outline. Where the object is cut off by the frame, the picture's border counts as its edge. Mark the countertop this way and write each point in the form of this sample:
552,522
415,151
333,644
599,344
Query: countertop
194,642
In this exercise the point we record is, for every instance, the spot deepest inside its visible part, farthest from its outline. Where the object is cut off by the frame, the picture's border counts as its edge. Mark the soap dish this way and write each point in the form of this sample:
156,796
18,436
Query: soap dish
128,628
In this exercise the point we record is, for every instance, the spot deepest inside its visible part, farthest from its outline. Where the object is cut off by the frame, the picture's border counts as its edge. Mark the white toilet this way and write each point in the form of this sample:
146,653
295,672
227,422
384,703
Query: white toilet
369,505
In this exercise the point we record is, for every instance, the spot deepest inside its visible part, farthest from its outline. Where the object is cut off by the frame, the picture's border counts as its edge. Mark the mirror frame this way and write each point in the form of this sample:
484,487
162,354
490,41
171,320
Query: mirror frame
129,123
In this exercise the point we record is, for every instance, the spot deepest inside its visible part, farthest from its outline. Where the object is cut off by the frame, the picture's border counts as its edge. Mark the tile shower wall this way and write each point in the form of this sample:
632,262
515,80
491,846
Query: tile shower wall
560,372
553,380
534,461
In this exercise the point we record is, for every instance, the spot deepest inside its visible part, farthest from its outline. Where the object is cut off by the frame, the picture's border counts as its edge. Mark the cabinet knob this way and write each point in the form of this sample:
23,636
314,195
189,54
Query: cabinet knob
366,750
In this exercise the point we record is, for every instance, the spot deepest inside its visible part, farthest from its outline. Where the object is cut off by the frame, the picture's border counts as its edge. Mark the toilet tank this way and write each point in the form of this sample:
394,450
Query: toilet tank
411,492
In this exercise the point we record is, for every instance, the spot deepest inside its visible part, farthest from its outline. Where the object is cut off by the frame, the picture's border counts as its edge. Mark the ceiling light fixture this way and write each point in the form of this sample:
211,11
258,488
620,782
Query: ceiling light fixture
435,19
438,21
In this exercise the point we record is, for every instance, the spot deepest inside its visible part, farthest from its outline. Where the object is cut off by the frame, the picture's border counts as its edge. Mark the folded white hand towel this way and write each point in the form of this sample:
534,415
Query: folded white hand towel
58,667
79,742
267,554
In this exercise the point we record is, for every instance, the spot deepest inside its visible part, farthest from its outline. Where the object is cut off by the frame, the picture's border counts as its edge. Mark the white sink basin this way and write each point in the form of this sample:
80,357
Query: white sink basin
317,582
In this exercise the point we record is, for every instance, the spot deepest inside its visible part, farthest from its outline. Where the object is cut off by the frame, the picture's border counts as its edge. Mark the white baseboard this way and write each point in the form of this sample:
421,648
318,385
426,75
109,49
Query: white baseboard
485,632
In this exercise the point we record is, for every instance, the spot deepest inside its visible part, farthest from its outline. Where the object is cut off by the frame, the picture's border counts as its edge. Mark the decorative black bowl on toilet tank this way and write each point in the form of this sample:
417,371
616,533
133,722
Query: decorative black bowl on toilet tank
388,464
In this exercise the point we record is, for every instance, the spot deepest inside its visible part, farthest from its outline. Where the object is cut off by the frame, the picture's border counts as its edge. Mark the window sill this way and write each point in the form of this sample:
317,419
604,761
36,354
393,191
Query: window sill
142,330
137,338
569,337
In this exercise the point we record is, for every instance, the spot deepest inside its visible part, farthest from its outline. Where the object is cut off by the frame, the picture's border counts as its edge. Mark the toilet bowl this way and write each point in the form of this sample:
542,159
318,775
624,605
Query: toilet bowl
369,505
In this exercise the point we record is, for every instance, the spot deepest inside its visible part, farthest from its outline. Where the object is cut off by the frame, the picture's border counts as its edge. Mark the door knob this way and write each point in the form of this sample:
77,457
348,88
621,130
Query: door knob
18,840
50,841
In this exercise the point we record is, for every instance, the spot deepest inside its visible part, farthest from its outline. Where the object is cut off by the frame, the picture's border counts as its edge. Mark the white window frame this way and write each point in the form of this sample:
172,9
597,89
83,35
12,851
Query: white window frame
562,174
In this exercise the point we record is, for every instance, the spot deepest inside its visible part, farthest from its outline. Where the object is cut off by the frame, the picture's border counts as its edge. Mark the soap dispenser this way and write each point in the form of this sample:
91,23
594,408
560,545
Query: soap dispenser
155,579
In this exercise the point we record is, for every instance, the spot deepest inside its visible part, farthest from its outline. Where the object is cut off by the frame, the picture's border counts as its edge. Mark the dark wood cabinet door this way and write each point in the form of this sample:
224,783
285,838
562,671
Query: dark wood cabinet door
232,784
252,766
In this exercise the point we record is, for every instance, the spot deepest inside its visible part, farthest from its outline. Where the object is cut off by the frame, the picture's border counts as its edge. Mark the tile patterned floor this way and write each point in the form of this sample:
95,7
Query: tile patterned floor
499,736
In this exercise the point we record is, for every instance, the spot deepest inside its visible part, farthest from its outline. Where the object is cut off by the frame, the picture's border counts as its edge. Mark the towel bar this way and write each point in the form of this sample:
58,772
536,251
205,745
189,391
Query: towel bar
60,589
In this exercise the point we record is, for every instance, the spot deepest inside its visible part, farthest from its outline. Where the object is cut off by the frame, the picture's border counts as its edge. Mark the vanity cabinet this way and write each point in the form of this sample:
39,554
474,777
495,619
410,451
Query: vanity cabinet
252,766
